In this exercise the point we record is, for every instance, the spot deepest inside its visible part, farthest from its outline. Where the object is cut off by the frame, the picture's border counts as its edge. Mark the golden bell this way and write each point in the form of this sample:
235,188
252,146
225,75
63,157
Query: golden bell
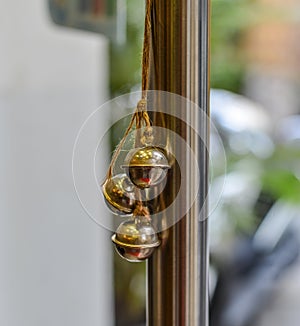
135,240
119,195
146,166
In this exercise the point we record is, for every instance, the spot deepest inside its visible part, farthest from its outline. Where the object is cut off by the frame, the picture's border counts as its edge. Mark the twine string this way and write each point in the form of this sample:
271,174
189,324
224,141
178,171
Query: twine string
140,117
146,49
119,147
141,212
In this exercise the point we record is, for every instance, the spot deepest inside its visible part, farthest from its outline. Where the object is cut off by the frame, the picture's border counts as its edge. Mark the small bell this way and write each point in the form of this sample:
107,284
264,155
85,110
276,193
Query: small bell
146,166
119,194
135,239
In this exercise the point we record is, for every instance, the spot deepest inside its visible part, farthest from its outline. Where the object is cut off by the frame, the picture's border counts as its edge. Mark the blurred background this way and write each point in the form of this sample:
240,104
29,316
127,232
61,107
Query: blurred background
59,61
55,262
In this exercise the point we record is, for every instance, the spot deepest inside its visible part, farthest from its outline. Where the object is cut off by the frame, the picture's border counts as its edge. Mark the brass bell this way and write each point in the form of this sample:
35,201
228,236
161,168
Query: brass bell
135,240
119,194
146,166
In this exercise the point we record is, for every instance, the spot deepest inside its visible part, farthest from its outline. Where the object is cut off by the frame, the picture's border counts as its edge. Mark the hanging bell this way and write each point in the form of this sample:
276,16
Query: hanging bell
146,166
119,194
135,240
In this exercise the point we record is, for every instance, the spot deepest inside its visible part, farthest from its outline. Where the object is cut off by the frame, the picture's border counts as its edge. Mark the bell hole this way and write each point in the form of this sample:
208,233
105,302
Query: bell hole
121,250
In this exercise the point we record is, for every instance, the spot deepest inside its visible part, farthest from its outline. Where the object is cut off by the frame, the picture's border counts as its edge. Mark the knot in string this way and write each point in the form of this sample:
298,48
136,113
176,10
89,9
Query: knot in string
142,105
141,212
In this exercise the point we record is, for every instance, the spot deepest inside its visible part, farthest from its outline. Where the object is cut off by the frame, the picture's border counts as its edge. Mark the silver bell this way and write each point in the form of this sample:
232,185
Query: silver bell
119,194
135,240
146,166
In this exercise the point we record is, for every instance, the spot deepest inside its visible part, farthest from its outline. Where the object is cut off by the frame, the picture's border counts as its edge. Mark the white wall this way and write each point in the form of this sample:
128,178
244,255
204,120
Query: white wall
55,265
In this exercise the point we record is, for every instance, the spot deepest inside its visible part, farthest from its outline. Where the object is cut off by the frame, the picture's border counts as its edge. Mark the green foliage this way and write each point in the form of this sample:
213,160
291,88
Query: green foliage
125,59
282,184
229,20
281,173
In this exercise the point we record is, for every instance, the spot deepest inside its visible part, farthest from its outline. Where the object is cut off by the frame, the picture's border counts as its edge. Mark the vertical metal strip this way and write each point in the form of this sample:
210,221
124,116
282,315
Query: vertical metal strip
204,73
178,271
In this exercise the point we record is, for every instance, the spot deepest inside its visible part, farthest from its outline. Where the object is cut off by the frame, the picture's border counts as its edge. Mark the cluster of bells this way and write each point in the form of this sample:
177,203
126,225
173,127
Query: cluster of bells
145,167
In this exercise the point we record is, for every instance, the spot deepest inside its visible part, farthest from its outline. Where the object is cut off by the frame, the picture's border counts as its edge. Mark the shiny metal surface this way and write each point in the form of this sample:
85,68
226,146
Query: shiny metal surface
135,240
146,156
146,166
119,194
178,269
